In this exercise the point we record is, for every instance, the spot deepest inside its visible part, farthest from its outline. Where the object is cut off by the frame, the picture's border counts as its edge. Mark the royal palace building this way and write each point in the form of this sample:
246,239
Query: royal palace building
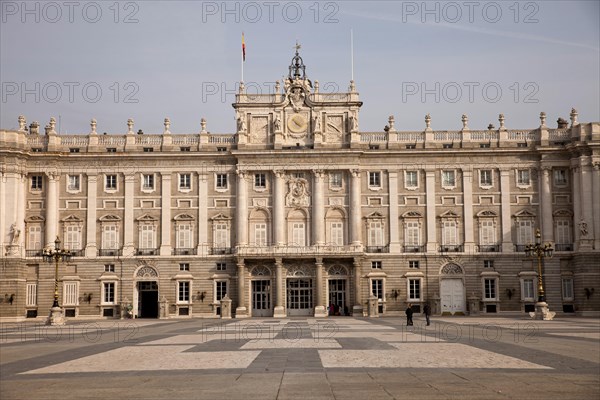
299,212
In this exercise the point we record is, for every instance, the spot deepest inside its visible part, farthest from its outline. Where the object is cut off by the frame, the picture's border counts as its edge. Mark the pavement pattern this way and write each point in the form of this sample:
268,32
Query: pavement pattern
307,358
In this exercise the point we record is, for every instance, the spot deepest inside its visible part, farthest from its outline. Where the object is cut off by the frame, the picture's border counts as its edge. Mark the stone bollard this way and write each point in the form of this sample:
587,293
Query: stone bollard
373,307
226,307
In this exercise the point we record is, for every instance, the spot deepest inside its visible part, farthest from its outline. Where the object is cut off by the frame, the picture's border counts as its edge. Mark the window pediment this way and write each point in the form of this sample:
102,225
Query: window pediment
110,218
183,217
412,214
375,215
487,214
524,214
146,218
72,218
449,215
220,217
35,219
563,213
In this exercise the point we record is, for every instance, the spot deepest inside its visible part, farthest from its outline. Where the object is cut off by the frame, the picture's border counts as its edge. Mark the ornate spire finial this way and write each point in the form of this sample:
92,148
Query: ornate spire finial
297,68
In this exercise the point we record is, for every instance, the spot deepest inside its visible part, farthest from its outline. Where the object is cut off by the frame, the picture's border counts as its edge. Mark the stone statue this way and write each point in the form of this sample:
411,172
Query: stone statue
465,121
203,125
353,120
22,123
167,125
130,125
15,233
583,227
276,123
241,124
277,87
93,125
317,123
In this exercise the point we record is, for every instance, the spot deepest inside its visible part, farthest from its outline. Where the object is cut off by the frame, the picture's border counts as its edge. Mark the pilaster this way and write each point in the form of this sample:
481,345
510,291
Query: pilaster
91,248
430,207
202,214
357,309
547,221
395,246
51,208
507,244
128,243
279,311
355,208
241,311
165,215
278,205
469,245
241,208
596,203
320,309
318,208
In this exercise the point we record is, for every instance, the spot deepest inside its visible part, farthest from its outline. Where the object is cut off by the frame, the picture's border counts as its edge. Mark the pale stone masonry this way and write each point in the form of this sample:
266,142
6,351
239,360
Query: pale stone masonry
299,213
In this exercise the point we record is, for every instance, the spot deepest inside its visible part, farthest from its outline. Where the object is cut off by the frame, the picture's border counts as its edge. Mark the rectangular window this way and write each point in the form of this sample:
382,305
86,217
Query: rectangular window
484,145
110,239
185,181
567,288
184,266
260,234
488,263
109,267
525,232
411,179
413,264
34,241
560,177
487,233
148,149
221,239
335,180
376,234
298,234
414,289
221,149
447,145
298,175
74,150
148,181
260,181
147,237
71,293
220,290
111,149
449,234
31,299
489,286
37,182
448,178
184,292
184,236
72,240
375,179
412,234
411,146
109,293
185,149
523,178
337,233
110,182
221,266
376,264
377,288
485,177
221,181
73,182
563,232
527,290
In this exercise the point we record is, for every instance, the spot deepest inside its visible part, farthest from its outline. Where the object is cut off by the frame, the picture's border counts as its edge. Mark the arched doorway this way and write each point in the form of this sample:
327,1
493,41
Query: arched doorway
452,289
337,283
299,290
260,292
145,292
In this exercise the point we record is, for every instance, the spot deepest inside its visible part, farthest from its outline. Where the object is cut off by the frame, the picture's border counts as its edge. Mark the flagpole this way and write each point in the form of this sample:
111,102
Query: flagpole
351,54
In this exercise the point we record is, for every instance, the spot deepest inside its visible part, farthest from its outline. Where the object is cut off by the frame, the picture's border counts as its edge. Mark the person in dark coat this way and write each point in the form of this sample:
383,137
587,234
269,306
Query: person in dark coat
427,312
409,314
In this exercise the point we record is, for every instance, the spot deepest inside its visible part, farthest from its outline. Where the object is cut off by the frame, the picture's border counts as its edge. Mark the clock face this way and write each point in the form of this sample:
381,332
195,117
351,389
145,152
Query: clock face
297,123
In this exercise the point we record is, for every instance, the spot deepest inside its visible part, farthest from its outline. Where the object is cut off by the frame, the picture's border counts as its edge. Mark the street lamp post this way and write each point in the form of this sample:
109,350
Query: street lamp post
55,255
540,251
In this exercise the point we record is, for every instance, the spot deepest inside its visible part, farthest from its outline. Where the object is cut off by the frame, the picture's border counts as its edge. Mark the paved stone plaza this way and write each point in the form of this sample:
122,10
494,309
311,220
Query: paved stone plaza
303,358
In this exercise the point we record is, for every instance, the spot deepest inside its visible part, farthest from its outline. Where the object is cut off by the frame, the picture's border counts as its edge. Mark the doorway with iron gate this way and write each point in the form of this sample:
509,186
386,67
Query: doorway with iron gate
261,298
337,297
147,299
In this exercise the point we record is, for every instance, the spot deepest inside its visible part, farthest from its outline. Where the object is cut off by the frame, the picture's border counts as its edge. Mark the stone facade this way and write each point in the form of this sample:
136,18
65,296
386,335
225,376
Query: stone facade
299,213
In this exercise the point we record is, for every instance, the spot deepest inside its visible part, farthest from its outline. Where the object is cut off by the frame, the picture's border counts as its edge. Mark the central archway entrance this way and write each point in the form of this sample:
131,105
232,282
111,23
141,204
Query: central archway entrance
299,289
452,289
145,292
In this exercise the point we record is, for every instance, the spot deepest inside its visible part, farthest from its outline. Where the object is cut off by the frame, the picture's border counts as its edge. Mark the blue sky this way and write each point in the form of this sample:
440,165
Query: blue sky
181,59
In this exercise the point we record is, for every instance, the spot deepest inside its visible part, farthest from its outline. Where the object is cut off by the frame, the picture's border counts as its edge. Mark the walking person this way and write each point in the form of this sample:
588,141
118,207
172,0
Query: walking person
427,312
409,314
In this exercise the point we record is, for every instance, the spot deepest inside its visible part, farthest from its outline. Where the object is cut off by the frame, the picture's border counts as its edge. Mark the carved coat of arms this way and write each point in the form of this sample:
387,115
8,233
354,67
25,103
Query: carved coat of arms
297,195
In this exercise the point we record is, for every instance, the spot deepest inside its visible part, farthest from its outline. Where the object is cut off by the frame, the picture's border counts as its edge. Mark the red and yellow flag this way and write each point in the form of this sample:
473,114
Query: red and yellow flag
243,48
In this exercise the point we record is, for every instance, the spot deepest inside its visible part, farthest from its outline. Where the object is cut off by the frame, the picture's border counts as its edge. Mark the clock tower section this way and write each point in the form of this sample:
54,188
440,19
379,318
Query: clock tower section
297,115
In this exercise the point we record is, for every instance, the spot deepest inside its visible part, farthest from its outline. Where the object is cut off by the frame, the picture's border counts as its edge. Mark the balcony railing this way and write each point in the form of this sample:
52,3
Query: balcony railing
488,248
77,253
33,253
220,250
520,248
563,247
451,248
110,252
377,249
146,252
414,249
184,252
325,249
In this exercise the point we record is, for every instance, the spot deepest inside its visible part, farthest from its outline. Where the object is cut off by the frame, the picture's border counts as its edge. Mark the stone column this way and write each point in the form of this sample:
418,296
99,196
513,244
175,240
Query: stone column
202,214
279,207
576,203
355,209
165,212
357,309
596,204
320,309
586,209
507,243
241,209
52,209
92,192
279,311
318,209
241,311
431,217
128,232
395,246
468,209
546,205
